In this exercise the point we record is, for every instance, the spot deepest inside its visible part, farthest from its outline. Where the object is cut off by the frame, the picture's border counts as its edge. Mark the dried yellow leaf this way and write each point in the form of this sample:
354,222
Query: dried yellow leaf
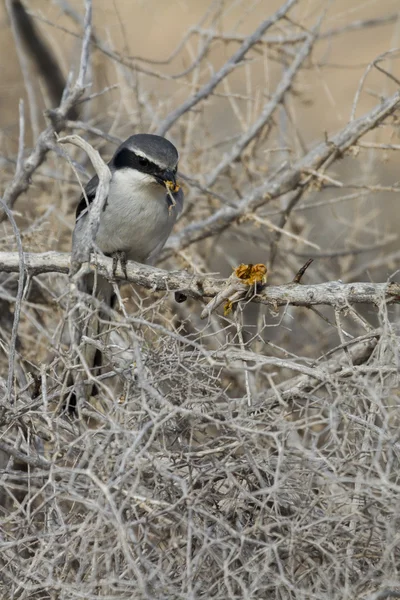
228,307
251,274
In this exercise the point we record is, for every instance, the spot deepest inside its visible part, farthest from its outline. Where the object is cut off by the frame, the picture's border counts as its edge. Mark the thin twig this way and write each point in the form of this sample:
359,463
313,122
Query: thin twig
45,140
283,87
227,68
18,303
285,181
21,140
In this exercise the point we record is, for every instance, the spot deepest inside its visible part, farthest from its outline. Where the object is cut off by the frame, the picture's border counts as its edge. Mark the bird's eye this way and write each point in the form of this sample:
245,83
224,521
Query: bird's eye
143,161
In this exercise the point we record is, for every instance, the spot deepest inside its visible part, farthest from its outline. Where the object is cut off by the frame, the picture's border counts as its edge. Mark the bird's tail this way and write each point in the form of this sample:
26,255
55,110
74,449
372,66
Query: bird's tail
93,326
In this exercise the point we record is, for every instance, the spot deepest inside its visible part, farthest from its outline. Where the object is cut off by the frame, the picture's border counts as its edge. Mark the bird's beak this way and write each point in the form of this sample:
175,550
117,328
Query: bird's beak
168,179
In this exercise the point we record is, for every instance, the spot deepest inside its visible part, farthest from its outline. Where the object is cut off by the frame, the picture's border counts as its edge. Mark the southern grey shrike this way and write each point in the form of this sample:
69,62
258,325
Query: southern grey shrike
142,206
143,203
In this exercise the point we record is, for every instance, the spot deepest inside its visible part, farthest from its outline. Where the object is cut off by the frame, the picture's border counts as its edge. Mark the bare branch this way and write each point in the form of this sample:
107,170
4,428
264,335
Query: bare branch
81,253
45,141
286,180
295,38
87,33
227,68
33,461
14,10
283,87
332,293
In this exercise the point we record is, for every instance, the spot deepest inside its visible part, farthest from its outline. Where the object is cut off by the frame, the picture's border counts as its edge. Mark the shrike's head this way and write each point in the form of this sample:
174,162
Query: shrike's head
153,159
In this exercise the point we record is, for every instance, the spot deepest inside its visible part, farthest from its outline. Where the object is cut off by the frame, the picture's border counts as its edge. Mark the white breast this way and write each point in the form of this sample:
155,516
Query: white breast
136,218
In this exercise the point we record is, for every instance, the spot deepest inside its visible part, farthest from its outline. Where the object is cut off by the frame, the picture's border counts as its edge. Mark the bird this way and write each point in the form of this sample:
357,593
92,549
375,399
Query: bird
143,202
142,206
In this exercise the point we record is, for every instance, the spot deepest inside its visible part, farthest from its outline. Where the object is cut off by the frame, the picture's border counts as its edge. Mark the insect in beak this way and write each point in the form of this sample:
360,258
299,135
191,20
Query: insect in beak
171,187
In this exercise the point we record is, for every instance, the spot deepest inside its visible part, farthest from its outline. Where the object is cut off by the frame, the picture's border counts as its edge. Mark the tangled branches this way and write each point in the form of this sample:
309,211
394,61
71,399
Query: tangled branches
249,452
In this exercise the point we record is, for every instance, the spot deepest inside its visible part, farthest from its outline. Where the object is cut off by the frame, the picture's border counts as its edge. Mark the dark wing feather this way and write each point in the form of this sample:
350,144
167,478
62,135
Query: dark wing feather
90,190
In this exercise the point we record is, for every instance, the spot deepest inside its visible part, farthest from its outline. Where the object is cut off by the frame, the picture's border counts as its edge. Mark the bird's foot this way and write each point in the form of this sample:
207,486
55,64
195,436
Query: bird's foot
120,257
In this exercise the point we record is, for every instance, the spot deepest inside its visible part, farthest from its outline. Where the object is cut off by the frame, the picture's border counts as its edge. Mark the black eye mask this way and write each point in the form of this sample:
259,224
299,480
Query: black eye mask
126,159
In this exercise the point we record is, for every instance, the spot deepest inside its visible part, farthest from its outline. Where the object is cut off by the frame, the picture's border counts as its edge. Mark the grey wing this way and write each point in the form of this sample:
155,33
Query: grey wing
90,191
82,210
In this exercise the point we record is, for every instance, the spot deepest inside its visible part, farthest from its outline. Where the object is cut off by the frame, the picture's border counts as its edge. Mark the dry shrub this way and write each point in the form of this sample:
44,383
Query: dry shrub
248,455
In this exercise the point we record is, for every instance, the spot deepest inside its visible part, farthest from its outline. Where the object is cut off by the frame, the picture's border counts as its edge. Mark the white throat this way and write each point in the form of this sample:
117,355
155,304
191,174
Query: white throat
136,218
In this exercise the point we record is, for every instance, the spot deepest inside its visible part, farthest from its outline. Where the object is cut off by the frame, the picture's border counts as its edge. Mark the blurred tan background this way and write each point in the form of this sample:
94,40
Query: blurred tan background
153,29
321,104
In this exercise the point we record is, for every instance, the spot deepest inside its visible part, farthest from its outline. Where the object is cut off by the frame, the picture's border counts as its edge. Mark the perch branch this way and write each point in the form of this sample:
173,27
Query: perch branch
331,293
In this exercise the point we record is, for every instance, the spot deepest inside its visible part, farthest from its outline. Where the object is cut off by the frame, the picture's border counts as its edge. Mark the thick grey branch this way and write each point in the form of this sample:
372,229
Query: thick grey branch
332,293
286,180
283,87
